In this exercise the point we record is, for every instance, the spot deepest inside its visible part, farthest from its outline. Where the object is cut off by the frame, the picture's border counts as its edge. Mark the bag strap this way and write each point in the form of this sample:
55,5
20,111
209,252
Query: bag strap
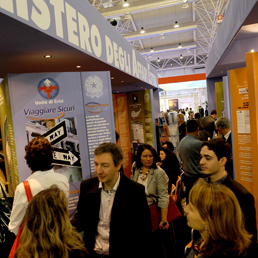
27,190
3,191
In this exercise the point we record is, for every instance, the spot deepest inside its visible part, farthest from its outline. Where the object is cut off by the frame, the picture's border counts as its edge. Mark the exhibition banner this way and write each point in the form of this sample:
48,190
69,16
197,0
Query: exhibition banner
219,98
98,108
241,127
56,105
148,118
81,26
8,149
120,102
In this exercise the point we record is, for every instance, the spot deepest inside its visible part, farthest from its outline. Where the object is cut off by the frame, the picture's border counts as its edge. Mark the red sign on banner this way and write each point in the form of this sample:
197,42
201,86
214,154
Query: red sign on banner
219,18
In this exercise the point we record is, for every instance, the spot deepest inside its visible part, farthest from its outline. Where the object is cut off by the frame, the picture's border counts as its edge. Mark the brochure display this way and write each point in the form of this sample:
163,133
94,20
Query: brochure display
41,104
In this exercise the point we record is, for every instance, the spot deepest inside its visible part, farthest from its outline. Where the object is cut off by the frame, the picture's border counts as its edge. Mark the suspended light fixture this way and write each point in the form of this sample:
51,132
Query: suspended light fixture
142,30
158,60
181,56
162,36
176,25
179,45
125,3
151,49
185,4
113,22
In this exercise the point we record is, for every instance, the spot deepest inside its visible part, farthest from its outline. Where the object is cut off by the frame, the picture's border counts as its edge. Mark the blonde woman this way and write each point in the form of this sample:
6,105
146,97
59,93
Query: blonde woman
181,126
47,231
214,211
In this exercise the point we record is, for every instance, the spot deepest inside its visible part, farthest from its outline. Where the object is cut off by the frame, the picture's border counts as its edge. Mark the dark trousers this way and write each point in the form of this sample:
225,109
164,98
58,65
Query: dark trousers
188,182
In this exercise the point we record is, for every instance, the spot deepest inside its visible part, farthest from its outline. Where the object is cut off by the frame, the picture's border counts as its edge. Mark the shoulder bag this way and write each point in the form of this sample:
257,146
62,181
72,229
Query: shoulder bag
17,239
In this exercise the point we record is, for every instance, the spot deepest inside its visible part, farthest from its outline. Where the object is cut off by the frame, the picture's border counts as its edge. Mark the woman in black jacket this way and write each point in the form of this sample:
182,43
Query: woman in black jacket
170,164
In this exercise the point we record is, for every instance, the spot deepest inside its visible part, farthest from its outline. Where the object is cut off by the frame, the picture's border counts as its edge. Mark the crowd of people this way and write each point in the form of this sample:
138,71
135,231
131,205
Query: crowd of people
113,211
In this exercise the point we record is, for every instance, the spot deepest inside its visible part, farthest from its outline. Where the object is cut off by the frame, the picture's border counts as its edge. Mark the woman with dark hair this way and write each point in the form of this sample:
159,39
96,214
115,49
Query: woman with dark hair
168,145
170,164
215,212
39,157
47,231
155,180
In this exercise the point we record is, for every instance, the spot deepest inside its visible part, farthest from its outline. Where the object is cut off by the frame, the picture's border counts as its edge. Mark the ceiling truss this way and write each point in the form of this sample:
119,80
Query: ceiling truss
204,27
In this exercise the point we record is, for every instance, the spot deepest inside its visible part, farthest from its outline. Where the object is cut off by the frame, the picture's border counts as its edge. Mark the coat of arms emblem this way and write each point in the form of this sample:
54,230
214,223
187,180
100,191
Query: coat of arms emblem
93,86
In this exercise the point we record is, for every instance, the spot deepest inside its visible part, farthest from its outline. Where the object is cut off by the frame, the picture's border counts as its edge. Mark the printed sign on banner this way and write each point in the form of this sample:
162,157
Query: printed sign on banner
99,113
42,105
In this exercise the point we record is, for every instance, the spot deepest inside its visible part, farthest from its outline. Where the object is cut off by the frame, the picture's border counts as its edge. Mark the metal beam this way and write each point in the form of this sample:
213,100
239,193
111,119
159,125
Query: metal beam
140,6
161,30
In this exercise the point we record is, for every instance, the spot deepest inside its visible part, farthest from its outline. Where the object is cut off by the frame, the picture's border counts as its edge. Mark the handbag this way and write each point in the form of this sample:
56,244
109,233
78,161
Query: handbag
173,213
17,239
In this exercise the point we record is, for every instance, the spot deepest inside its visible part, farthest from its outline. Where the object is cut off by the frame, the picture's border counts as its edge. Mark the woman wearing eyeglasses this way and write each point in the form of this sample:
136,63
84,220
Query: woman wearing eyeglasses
153,178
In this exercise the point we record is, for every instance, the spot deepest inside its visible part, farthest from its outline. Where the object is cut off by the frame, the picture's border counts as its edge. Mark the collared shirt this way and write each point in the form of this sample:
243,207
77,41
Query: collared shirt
227,135
220,181
106,204
39,181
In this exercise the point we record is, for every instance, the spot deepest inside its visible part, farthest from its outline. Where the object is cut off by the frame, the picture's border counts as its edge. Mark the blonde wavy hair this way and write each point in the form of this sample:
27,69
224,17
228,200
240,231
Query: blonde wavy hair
47,231
181,118
220,209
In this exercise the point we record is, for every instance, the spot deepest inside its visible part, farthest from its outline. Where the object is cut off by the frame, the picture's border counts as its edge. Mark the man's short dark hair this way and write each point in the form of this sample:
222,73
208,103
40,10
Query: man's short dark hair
197,115
214,112
183,112
220,147
39,154
112,148
192,126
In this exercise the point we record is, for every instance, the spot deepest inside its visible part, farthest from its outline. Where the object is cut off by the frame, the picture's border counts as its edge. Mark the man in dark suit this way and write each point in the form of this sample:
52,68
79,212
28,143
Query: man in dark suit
201,111
208,123
112,209
214,156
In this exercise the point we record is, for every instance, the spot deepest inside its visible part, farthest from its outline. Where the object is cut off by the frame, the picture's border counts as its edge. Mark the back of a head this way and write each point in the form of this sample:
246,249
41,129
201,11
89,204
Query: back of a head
39,154
47,230
197,116
192,126
214,112
181,118
220,209
223,122
220,147
112,148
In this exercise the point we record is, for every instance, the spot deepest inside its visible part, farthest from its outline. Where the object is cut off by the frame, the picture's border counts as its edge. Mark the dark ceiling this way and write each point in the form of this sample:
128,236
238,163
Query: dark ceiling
22,50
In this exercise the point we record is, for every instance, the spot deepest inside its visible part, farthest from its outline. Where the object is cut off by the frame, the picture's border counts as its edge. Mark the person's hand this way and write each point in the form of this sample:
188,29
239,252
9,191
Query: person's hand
163,225
158,163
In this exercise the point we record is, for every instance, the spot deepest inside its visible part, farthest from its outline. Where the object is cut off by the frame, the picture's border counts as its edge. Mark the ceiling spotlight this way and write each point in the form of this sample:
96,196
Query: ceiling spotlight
142,30
158,60
176,25
112,78
151,49
162,36
185,4
125,3
171,64
179,45
181,56
47,56
113,22
252,50
78,66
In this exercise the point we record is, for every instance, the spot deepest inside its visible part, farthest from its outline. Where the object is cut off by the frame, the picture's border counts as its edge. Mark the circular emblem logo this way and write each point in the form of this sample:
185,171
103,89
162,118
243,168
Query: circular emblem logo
48,88
93,87
146,97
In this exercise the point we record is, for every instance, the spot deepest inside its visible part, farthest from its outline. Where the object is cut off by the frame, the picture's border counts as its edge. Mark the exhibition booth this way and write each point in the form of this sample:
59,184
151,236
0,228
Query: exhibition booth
232,69
70,76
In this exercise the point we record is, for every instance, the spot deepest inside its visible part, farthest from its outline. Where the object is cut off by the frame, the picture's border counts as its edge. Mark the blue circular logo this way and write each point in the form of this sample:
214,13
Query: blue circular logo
48,88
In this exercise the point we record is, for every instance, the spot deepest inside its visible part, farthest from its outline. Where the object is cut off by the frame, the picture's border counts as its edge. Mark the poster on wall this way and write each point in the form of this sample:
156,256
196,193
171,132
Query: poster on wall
173,104
148,118
241,127
99,115
42,105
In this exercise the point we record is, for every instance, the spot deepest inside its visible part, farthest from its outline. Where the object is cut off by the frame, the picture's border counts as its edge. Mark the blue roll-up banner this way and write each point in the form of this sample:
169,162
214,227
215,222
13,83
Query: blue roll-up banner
72,110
